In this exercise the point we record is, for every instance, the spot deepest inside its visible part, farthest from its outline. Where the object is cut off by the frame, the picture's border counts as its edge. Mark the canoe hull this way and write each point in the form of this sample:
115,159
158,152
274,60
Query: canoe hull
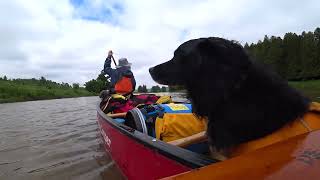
294,159
136,160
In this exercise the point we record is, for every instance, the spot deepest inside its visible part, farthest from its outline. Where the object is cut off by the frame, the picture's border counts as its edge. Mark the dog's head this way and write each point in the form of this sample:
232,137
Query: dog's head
196,57
202,66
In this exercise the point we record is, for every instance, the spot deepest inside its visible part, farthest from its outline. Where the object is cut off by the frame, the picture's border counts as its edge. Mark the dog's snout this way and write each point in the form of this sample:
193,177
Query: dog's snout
151,69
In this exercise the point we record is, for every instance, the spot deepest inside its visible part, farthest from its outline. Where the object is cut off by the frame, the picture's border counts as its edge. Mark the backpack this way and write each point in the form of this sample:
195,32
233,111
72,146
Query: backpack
144,99
117,103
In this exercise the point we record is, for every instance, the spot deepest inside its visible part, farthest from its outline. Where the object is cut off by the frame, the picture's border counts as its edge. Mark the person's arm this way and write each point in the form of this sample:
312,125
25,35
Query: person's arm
133,81
107,65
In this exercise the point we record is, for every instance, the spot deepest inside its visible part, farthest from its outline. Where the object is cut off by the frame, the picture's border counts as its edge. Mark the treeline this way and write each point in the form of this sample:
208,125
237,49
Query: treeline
12,90
42,82
295,57
154,89
142,89
176,88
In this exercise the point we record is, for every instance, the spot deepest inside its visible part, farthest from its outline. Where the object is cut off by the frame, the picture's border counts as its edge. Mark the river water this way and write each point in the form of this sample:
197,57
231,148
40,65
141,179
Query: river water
53,139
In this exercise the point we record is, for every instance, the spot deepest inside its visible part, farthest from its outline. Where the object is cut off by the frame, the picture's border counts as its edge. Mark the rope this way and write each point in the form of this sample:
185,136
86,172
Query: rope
305,124
106,104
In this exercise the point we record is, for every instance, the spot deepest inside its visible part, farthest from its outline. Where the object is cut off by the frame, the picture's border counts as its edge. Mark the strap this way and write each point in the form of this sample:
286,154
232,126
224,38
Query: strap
305,124
106,104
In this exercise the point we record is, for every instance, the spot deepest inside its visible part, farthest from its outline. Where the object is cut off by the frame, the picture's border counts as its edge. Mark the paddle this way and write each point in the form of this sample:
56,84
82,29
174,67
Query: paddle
117,115
114,61
196,138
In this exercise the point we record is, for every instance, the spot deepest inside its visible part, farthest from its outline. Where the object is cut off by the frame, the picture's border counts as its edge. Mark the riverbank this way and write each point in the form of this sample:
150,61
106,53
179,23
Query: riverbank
309,88
11,91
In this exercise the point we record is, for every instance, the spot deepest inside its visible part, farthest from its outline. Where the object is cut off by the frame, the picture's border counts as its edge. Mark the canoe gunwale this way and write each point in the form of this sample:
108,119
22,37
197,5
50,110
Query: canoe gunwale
183,156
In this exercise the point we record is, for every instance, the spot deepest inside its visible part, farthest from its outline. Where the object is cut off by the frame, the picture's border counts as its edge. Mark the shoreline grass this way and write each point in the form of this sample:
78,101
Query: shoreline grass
17,92
310,88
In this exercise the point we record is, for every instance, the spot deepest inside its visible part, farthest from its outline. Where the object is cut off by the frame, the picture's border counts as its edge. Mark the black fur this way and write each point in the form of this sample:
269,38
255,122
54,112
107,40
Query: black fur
242,99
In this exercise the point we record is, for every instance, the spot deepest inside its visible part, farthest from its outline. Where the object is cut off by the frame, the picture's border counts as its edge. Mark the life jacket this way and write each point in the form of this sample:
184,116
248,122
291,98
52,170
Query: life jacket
178,122
124,85
164,100
166,122
309,122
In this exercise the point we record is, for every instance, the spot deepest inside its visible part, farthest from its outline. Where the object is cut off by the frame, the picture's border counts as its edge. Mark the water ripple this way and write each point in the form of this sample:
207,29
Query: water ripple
53,139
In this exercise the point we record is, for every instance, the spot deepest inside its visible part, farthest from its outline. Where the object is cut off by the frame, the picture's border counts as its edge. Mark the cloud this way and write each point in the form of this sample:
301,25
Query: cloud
67,40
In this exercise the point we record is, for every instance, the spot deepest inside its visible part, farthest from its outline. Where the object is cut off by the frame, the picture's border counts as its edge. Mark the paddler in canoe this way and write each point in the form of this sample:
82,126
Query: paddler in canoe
122,78
119,97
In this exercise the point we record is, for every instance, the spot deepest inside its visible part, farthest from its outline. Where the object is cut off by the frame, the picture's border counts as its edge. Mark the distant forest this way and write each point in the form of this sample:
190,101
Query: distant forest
13,90
154,89
295,57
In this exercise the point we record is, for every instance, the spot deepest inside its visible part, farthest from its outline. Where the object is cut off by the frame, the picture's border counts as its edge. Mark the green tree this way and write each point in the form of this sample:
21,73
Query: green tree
155,89
317,41
98,84
274,56
163,89
140,89
246,46
291,45
175,88
144,89
317,35
94,86
308,52
42,80
103,78
295,57
75,86
63,85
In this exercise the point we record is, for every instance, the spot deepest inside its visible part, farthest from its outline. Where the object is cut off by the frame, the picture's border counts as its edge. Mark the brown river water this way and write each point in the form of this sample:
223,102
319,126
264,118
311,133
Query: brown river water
53,139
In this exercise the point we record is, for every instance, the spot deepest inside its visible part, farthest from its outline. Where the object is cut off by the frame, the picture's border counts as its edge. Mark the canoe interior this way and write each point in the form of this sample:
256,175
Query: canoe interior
134,152
180,154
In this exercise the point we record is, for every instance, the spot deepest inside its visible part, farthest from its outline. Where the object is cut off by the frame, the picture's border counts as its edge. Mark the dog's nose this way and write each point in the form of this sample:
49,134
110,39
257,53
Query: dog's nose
151,69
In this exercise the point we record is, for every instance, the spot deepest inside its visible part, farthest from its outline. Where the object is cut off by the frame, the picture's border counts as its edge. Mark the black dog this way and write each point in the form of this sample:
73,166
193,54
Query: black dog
242,100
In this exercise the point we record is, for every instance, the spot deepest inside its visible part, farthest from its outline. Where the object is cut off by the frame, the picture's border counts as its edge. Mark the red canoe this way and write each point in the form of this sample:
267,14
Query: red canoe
142,157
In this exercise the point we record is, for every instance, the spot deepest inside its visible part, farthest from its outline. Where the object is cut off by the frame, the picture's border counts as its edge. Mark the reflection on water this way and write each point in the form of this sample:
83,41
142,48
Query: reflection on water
53,139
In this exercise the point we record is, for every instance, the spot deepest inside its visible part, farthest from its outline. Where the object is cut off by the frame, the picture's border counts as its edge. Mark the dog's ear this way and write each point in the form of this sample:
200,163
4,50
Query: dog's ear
210,52
205,45
223,66
219,51
211,45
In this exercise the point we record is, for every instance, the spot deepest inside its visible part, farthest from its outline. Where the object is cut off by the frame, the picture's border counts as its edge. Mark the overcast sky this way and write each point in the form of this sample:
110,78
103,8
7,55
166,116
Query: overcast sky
67,40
